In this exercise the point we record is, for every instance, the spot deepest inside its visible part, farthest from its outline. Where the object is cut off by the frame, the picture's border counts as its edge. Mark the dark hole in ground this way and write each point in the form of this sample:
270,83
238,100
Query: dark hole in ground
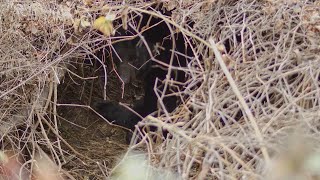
86,131
150,73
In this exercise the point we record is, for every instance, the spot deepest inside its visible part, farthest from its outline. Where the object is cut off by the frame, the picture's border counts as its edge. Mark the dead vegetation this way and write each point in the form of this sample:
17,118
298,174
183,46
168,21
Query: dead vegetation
253,80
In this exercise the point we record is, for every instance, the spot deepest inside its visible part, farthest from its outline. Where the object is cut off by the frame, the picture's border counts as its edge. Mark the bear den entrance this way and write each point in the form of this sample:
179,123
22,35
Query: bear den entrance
81,127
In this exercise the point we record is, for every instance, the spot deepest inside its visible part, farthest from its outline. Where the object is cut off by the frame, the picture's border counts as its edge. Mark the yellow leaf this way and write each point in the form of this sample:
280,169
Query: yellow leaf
104,25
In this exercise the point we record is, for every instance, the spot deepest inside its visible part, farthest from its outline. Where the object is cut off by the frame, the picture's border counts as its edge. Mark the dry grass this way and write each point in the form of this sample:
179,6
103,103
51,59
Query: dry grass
253,80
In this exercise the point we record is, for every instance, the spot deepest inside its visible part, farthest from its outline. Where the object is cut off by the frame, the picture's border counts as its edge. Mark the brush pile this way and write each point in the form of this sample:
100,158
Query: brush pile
253,81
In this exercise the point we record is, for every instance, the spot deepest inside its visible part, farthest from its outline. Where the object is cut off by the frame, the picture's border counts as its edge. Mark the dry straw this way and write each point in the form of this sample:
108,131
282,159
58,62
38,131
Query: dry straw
253,80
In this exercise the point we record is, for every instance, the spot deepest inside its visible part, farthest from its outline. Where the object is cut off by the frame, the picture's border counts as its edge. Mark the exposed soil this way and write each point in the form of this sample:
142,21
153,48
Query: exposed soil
83,129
